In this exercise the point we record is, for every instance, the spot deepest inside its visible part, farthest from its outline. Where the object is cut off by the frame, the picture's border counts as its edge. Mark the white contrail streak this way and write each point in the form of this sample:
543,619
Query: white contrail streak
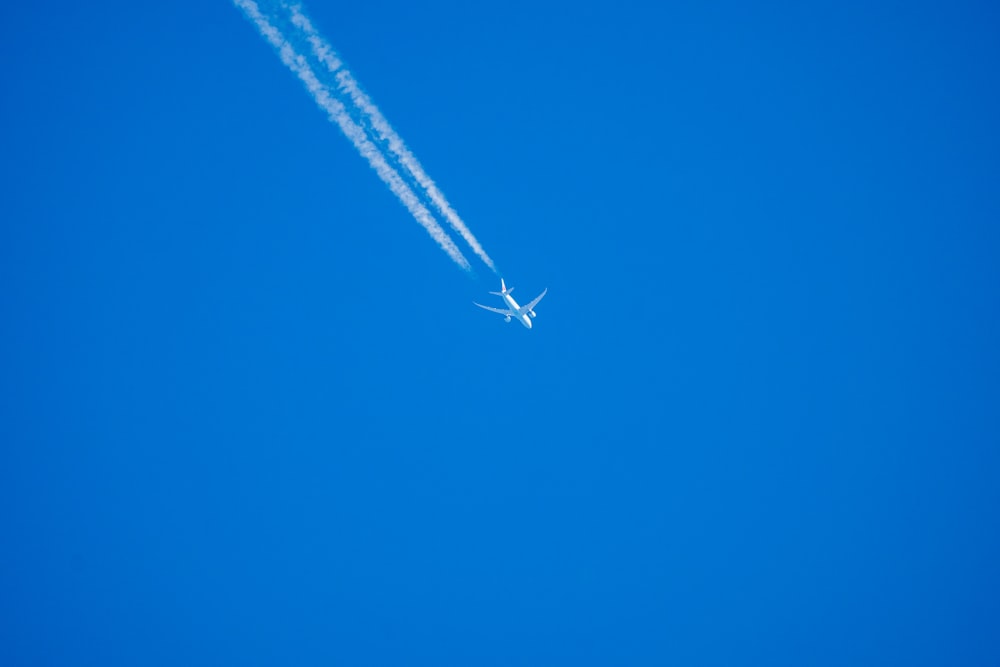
326,55
354,132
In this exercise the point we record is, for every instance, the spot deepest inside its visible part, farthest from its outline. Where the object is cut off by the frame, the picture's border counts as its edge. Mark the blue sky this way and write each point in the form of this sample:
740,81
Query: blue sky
249,415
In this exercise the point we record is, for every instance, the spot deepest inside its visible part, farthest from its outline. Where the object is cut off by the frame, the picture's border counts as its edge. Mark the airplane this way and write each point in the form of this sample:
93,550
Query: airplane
522,313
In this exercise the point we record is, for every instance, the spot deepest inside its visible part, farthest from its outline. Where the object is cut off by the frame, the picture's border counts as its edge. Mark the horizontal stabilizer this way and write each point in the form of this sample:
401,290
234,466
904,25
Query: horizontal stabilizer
503,289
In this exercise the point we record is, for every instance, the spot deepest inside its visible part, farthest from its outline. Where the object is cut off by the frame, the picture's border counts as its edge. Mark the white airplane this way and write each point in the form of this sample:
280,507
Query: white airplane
522,313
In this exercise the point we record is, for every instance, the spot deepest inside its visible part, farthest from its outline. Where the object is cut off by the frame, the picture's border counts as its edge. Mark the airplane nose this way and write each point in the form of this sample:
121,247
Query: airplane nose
527,322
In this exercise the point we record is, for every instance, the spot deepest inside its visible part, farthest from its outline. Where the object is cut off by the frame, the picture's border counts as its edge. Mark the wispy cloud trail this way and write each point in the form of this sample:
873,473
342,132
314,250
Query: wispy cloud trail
346,82
354,132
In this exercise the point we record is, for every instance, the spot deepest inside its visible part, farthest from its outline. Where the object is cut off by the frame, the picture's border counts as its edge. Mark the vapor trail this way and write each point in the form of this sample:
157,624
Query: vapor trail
354,132
346,82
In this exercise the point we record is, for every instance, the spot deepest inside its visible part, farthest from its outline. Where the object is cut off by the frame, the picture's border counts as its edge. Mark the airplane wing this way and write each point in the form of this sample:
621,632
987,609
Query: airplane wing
531,306
496,310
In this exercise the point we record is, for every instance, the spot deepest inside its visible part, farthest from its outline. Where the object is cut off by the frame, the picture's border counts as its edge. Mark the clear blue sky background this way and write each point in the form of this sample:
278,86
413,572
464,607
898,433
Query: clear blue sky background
249,415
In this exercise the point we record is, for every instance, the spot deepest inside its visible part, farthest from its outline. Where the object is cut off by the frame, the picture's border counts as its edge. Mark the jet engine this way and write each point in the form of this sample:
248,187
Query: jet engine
531,312
507,319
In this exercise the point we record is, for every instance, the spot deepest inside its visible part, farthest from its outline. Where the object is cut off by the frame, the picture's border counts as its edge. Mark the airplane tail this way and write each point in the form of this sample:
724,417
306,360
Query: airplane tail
503,289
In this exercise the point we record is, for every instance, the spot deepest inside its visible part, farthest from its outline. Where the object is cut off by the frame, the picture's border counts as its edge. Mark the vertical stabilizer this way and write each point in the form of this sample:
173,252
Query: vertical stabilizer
503,289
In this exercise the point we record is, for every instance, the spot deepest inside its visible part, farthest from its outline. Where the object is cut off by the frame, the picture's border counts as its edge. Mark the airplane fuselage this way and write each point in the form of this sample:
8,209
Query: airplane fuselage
523,318
514,310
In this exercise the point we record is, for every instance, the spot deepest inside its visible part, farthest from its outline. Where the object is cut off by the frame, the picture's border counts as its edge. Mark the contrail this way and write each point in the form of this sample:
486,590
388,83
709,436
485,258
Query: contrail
326,55
354,132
